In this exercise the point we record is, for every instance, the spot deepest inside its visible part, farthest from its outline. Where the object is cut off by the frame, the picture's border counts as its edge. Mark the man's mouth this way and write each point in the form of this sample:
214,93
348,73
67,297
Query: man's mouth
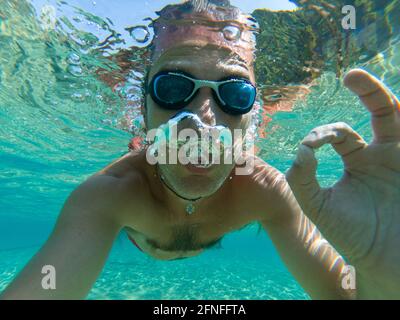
199,169
203,166
200,164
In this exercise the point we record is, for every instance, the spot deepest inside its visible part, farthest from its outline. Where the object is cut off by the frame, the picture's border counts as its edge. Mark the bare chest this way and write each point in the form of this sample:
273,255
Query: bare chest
166,236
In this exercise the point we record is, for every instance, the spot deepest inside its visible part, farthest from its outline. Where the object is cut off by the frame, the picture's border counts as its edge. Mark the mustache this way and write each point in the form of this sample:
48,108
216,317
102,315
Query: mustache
194,121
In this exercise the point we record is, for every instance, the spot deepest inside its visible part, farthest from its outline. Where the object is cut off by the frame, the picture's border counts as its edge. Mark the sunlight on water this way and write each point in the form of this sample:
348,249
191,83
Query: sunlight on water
71,92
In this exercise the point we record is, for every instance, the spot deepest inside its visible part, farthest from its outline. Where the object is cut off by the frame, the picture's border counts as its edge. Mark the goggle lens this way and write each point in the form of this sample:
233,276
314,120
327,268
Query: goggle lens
172,91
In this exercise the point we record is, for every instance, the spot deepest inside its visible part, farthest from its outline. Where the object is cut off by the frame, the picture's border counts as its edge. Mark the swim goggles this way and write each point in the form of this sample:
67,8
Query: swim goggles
175,90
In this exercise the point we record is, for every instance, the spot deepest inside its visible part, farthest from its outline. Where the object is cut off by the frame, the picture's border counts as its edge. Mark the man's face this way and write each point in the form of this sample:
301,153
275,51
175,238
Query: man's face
206,63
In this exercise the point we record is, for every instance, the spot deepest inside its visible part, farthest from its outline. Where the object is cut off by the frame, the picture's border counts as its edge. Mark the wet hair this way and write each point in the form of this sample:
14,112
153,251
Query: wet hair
185,238
219,12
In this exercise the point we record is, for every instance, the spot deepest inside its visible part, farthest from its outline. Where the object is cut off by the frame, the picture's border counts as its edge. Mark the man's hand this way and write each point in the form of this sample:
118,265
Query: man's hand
360,214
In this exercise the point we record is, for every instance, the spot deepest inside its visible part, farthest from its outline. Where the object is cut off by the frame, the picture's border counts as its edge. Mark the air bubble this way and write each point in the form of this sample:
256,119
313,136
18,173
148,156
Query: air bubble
78,97
140,34
78,19
75,70
231,33
73,58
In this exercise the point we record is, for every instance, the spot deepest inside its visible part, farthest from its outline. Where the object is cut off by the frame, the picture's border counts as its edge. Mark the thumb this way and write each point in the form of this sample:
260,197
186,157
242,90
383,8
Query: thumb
303,182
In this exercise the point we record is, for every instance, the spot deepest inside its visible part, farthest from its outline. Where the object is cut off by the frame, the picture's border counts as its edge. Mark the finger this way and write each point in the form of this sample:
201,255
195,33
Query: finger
382,104
303,182
340,135
302,175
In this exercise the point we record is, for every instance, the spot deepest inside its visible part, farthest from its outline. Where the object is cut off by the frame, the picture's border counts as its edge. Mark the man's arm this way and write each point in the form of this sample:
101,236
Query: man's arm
78,246
314,263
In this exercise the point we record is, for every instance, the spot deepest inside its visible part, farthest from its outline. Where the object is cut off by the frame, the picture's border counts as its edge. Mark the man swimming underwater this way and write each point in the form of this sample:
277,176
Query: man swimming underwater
359,215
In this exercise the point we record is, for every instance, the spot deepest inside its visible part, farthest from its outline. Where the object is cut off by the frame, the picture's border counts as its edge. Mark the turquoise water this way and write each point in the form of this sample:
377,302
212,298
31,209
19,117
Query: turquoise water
59,123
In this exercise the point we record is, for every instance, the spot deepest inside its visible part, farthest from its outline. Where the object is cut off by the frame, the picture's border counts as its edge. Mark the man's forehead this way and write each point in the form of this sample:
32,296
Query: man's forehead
197,60
220,68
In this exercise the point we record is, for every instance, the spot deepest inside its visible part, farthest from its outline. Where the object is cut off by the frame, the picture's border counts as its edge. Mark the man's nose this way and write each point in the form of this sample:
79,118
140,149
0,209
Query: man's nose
205,106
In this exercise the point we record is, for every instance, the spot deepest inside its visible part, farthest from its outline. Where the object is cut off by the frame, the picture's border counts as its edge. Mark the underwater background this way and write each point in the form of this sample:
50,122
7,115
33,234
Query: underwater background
70,96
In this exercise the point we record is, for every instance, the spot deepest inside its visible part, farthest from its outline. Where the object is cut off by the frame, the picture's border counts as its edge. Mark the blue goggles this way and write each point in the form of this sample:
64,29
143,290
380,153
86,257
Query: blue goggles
175,90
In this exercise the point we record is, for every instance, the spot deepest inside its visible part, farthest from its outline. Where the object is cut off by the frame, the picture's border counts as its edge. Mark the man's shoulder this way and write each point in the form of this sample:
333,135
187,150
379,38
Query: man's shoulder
267,190
108,193
128,166
125,176
262,175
